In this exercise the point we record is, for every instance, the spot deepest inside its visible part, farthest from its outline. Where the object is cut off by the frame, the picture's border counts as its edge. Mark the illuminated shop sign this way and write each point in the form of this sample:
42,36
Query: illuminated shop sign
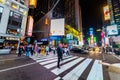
11,38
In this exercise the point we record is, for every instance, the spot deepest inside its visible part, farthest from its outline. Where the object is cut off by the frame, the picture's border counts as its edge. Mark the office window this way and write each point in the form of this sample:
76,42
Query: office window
14,22
22,2
1,11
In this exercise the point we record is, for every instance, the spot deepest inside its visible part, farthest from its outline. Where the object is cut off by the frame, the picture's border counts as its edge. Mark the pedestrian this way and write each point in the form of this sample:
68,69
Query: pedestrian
27,49
47,50
36,49
20,51
59,54
32,50
54,49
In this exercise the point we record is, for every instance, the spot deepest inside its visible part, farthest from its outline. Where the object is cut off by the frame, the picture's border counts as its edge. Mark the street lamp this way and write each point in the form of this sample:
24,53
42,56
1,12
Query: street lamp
20,34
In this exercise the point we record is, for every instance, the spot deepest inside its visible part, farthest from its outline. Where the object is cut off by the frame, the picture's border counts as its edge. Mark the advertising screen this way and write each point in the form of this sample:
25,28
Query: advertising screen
112,30
30,26
106,13
57,27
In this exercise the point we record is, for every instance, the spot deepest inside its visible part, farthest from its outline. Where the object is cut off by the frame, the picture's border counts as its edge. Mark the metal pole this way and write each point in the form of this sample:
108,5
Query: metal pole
17,51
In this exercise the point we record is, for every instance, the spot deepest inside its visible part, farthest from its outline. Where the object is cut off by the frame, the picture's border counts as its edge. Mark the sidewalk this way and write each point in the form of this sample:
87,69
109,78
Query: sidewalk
116,56
11,56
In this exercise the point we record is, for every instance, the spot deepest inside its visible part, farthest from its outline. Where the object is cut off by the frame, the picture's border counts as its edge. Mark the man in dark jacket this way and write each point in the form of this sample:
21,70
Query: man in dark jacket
20,51
59,54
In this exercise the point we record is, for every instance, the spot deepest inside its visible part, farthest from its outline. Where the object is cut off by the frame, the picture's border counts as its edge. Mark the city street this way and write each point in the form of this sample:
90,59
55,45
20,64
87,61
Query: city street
74,67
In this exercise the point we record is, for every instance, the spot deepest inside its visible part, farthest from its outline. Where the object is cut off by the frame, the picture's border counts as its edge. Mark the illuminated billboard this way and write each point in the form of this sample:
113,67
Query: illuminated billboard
57,27
30,26
112,30
106,13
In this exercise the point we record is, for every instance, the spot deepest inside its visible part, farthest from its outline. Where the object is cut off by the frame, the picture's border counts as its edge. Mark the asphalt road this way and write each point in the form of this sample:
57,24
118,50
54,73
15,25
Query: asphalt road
29,69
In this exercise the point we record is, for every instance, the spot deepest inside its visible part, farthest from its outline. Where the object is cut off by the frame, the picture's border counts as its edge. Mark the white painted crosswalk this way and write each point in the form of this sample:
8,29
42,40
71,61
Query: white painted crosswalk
75,67
55,63
75,73
96,72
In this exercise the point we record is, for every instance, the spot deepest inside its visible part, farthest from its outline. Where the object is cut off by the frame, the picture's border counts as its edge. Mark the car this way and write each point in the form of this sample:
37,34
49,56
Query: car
79,50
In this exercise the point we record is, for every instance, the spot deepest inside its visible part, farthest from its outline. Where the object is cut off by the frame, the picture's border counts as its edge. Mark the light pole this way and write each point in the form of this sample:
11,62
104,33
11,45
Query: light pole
20,34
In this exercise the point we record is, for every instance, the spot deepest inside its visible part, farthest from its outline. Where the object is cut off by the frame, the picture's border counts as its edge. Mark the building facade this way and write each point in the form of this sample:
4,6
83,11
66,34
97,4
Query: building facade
114,6
67,9
13,18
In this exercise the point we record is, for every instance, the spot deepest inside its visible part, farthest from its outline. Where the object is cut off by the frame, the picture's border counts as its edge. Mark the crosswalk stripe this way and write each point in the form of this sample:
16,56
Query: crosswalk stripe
77,71
42,57
58,78
66,66
46,62
46,59
96,72
50,61
55,63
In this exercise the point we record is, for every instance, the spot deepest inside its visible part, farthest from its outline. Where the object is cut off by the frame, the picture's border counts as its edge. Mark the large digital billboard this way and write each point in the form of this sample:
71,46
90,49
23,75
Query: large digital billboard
112,30
106,12
30,25
57,27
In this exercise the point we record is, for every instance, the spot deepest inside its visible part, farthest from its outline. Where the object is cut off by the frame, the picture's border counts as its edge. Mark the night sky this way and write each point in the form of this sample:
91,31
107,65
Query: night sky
92,16
92,12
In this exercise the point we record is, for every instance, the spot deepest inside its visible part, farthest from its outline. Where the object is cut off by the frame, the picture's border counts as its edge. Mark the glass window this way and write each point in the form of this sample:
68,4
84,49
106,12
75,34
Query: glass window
14,22
22,2
1,10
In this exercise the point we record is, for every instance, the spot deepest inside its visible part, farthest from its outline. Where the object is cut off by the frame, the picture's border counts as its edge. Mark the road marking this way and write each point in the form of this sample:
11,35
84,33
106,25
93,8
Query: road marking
3,70
42,57
50,61
58,78
55,64
77,71
66,66
46,62
12,58
96,72
116,56
46,59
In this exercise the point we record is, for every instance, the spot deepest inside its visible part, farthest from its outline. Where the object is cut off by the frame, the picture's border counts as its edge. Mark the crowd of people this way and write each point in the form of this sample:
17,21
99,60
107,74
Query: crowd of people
31,50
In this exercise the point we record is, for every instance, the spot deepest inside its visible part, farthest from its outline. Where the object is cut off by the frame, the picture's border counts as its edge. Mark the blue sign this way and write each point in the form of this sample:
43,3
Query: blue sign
44,39
91,32
54,37
91,29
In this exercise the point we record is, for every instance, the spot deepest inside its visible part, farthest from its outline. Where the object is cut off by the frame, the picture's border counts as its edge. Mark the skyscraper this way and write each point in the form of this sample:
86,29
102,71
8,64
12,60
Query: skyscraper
114,6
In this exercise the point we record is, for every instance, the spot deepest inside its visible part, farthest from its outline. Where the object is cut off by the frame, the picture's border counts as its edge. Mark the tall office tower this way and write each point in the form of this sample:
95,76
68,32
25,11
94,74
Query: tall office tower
114,6
73,13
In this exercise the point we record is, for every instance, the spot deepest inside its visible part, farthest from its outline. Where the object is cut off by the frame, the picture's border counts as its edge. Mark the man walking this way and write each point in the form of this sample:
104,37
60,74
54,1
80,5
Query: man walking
59,54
